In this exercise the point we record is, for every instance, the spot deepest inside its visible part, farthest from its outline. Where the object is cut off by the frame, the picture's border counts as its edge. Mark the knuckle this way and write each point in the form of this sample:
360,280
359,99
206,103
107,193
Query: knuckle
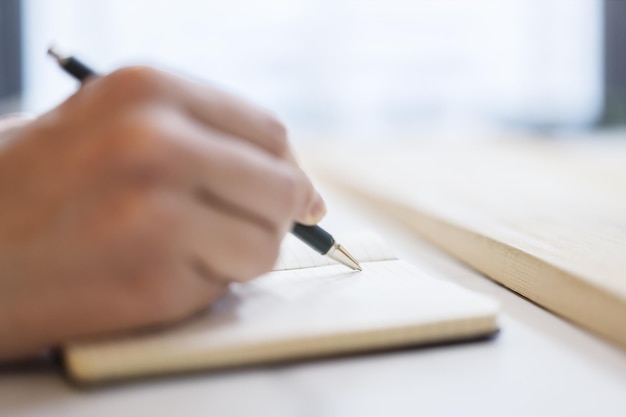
133,84
136,130
141,151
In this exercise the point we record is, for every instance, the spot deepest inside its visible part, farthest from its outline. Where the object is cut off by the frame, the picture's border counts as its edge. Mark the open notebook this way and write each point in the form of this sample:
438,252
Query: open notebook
307,307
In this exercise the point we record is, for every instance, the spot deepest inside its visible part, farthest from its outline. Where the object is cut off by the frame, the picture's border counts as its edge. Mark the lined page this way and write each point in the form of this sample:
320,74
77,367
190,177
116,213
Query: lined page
298,312
365,247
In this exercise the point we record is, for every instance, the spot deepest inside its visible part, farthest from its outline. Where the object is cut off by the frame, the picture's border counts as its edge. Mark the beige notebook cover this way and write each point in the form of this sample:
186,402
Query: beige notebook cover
546,219
308,307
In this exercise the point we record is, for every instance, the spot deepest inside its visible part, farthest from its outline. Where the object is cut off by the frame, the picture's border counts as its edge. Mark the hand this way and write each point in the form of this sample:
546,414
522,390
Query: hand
10,123
136,202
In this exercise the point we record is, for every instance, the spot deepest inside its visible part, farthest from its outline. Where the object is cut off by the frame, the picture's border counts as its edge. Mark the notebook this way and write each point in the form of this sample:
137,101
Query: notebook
309,306
546,219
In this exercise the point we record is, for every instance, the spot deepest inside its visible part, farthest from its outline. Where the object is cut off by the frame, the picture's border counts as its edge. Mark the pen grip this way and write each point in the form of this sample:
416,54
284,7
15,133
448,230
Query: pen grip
314,236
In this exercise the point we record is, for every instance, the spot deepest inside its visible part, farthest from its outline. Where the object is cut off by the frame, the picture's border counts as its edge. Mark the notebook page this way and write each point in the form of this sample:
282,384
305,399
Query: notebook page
331,299
302,306
365,247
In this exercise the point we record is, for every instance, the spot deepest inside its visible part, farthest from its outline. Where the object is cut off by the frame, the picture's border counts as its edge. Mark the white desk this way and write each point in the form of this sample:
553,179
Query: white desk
538,365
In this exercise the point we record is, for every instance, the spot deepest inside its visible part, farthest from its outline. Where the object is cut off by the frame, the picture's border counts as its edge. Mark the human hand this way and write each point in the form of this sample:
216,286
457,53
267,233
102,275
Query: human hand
135,203
11,122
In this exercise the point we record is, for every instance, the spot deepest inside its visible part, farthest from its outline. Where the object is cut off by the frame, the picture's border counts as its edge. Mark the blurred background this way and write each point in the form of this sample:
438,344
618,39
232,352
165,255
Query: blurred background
361,69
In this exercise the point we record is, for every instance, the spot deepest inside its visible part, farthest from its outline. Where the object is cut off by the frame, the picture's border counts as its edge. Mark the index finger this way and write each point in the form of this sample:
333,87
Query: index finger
233,115
242,120
239,120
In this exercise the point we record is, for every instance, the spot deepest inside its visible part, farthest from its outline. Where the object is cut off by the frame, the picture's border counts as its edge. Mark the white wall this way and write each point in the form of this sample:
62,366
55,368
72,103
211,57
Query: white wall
345,66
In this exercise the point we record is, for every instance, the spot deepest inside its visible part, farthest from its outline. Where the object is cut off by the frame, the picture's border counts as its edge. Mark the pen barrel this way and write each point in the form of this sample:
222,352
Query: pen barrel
314,236
77,69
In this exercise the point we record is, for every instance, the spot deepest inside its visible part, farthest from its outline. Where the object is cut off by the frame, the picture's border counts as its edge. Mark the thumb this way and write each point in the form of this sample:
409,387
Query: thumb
315,208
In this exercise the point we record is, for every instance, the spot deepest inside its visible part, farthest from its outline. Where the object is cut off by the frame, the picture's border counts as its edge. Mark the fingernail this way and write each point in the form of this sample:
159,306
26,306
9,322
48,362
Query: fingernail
317,211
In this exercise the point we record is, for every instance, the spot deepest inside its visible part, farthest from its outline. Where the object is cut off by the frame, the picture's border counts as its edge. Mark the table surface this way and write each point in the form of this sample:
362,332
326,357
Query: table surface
538,365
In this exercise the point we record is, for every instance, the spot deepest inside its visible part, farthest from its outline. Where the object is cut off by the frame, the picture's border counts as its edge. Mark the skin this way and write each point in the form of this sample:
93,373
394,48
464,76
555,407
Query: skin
135,203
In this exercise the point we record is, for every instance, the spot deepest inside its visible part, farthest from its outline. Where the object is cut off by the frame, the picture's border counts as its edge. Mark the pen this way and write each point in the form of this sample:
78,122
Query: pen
314,236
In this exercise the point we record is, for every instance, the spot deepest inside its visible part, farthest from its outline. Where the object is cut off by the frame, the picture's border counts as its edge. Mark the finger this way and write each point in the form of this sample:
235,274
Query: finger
227,246
239,177
241,120
209,105
235,116
112,305
217,110
257,172
315,207
194,289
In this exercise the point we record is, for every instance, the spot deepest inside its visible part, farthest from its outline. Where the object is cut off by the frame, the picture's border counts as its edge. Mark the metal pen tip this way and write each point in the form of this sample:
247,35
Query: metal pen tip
341,255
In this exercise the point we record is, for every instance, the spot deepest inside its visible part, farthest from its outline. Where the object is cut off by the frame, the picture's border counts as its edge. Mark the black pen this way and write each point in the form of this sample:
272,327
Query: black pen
314,236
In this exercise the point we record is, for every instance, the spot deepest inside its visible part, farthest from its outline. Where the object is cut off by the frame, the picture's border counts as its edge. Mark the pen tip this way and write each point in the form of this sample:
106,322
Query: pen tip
341,255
